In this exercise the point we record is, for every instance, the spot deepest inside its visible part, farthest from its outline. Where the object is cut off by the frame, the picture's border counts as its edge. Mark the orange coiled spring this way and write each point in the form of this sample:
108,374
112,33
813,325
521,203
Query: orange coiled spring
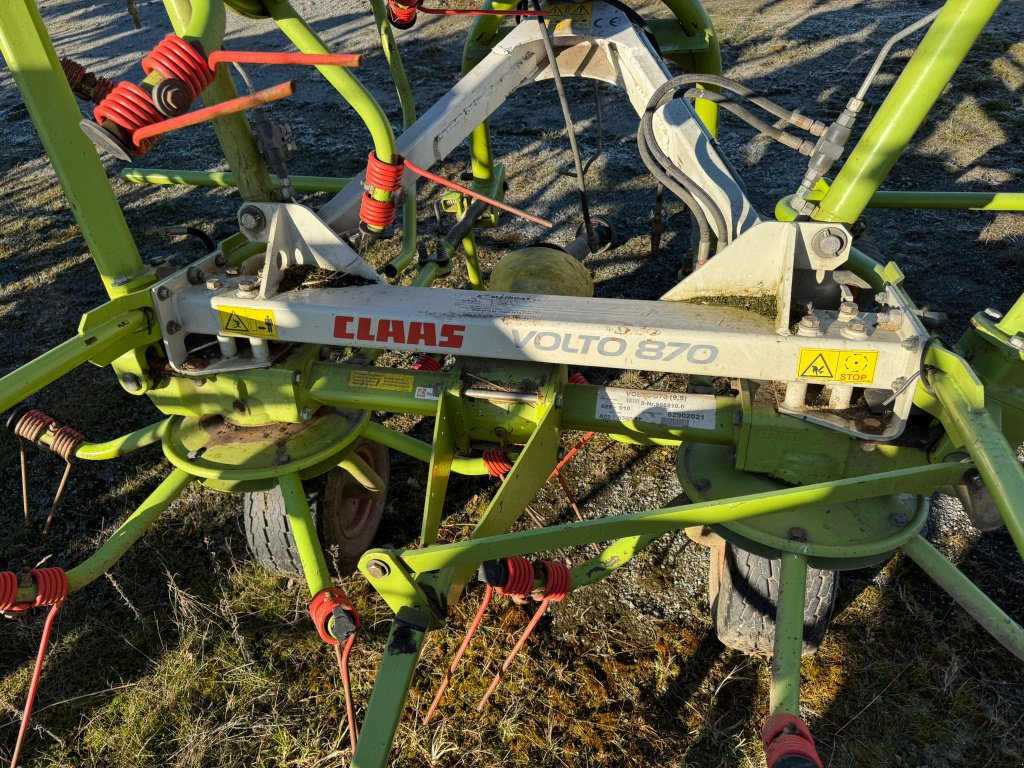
178,59
130,108
497,463
32,425
65,441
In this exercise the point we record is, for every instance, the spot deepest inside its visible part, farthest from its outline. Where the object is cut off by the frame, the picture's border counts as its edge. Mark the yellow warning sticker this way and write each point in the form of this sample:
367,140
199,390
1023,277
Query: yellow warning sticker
566,15
248,321
392,382
854,366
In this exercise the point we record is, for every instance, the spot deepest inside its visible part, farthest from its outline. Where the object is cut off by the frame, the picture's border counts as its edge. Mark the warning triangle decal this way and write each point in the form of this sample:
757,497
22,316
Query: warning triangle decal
235,323
817,369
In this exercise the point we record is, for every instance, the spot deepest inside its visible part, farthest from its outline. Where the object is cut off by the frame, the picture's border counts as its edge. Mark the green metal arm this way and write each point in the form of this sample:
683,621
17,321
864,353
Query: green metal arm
119,446
108,339
953,393
129,532
353,91
929,70
921,480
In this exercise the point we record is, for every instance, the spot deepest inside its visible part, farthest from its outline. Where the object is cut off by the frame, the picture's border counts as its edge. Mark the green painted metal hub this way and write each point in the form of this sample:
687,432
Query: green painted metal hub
229,457
835,537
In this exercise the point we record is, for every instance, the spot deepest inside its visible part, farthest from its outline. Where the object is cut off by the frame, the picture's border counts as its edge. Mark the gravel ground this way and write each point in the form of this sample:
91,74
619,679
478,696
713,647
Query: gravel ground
630,668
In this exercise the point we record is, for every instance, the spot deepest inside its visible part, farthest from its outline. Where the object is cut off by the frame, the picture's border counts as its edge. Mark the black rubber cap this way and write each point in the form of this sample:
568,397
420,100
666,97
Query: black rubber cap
105,141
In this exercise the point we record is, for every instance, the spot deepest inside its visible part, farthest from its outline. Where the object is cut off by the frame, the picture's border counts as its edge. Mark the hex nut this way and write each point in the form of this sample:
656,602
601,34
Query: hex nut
213,284
378,569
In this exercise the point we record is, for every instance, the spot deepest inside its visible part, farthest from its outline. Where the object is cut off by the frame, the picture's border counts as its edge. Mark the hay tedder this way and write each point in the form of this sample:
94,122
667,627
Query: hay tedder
820,411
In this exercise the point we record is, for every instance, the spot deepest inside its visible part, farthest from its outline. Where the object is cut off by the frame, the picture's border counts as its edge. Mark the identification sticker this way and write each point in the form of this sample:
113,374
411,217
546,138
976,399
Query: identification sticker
670,409
247,321
854,366
426,393
392,382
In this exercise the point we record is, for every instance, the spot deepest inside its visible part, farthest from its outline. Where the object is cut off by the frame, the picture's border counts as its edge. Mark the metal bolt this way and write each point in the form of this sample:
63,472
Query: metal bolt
1017,341
213,284
248,285
220,259
120,280
899,519
898,383
193,455
283,458
995,314
163,293
702,485
828,243
306,414
297,377
173,327
377,569
195,275
911,343
797,534
810,322
131,382
973,480
233,271
252,218
848,309
858,326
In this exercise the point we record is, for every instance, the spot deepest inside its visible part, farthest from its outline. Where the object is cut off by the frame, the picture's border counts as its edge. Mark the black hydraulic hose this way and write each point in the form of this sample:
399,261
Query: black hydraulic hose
577,160
649,147
789,115
779,135
700,218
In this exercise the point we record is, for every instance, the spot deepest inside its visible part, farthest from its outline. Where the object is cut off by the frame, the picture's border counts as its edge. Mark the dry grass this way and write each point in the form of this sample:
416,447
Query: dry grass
192,655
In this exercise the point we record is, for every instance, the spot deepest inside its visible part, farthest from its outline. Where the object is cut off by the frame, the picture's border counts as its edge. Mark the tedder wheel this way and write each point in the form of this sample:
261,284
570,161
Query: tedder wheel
744,589
346,518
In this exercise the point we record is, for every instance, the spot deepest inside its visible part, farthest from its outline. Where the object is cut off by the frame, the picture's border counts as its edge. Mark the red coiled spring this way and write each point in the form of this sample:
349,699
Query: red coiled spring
384,177
85,84
497,463
785,735
557,588
321,608
178,59
52,589
130,108
427,363
8,590
518,584
520,578
73,71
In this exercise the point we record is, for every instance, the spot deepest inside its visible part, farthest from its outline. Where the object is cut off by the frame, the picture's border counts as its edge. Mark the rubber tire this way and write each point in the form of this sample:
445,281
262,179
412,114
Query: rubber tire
268,533
743,590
